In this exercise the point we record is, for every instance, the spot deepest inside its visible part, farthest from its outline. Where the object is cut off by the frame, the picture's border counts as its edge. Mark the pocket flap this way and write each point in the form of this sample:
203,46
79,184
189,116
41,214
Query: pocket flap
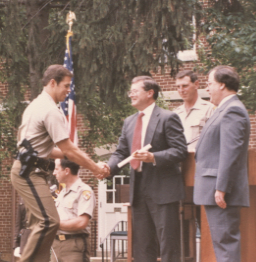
209,172
198,122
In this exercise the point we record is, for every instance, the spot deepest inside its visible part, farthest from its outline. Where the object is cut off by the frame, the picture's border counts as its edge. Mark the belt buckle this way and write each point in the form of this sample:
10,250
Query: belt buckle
62,237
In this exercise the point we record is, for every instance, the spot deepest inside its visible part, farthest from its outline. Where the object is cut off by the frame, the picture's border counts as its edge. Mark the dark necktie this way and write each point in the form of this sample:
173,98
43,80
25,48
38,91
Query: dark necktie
136,142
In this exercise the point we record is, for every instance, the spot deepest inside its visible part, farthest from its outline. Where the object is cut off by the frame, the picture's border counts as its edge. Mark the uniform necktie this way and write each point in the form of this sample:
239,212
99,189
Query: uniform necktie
136,142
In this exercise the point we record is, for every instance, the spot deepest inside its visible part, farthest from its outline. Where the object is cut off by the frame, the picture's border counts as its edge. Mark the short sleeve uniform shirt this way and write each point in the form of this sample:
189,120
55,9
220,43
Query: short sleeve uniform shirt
43,125
76,201
194,120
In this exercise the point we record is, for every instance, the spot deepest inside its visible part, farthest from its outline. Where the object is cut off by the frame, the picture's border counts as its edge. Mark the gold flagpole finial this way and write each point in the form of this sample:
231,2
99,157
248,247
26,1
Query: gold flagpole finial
69,19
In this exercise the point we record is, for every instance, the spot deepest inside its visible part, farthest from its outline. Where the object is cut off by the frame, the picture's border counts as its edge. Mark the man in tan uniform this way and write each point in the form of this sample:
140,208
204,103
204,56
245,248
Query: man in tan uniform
43,126
75,205
195,111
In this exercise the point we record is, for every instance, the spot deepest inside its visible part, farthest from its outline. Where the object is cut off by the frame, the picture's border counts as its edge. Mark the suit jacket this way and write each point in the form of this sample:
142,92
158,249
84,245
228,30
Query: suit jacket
221,156
163,182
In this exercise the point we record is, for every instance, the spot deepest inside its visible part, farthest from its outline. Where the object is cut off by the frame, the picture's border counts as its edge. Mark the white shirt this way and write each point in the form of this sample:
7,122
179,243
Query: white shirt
145,120
225,99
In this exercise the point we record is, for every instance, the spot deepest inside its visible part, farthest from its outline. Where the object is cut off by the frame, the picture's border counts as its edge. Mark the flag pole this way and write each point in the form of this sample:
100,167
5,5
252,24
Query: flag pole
69,20
69,105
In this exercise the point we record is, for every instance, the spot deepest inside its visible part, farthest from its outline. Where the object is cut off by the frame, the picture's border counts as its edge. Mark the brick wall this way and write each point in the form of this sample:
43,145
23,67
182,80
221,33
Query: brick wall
89,179
5,217
253,131
167,83
3,91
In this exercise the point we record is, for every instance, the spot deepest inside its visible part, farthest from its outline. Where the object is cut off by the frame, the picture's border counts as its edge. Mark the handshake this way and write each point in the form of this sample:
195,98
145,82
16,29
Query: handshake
103,172
141,155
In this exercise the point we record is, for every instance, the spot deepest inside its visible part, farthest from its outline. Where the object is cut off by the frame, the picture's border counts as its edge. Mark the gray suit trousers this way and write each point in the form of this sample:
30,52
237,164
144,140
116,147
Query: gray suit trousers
224,227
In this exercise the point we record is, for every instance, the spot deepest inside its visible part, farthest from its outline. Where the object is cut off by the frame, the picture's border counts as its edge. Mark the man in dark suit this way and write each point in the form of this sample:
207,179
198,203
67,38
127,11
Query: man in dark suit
155,181
221,182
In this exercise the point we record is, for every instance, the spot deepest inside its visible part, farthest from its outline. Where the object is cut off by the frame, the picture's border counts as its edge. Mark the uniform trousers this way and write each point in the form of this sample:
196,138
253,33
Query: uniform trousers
43,218
70,250
225,233
152,222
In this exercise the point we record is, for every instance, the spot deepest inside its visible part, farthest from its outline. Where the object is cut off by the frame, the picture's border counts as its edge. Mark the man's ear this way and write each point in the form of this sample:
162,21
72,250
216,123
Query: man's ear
67,170
196,83
151,93
222,86
52,83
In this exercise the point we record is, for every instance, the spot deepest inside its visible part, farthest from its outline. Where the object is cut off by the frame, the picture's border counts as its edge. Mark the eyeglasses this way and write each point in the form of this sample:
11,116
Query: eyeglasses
210,83
134,91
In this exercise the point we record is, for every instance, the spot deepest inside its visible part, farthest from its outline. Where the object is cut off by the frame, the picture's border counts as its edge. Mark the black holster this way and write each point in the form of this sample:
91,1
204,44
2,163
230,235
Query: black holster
29,160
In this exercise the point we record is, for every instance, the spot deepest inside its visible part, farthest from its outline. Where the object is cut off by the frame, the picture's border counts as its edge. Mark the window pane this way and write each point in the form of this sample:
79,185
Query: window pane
109,197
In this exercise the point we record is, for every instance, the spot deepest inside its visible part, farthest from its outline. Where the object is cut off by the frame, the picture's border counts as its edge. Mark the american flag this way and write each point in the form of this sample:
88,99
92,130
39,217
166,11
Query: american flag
69,105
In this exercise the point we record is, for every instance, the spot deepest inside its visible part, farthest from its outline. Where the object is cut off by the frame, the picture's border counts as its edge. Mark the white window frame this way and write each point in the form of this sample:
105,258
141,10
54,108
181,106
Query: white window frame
189,55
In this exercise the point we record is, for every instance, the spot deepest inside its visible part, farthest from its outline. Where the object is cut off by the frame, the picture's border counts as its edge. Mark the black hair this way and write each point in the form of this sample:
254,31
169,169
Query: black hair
74,168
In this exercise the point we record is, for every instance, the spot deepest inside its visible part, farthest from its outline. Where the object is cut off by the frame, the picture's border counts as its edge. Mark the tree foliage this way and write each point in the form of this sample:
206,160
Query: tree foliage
113,42
7,137
229,27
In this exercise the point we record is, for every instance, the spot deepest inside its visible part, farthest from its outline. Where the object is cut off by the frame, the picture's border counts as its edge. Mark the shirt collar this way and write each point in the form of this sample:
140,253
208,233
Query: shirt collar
75,186
197,104
225,99
46,95
149,109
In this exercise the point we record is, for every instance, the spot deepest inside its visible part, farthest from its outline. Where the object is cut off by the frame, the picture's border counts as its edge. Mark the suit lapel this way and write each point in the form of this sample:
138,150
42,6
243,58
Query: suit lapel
208,123
213,118
152,124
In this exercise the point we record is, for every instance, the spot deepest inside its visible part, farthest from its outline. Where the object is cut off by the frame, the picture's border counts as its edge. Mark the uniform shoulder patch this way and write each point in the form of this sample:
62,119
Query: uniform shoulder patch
87,194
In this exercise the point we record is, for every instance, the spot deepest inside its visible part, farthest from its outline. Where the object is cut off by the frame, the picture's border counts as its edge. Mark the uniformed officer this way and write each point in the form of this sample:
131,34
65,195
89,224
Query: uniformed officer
75,205
43,126
195,111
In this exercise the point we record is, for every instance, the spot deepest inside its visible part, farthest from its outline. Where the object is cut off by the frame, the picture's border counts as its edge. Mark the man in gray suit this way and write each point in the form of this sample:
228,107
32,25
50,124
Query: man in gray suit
221,182
155,184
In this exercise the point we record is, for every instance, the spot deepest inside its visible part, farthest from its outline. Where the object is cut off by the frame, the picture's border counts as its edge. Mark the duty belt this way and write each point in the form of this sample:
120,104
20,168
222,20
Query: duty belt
45,164
67,236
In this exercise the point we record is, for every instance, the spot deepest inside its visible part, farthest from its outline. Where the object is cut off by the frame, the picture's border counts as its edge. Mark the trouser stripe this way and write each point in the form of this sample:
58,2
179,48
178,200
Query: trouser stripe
46,217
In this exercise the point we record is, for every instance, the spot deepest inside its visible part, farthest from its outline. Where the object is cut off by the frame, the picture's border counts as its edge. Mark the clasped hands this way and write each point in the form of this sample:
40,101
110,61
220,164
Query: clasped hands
105,170
144,156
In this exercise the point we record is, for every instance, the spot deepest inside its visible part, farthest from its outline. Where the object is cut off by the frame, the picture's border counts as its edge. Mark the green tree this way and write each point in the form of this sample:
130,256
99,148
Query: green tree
7,138
229,27
113,42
